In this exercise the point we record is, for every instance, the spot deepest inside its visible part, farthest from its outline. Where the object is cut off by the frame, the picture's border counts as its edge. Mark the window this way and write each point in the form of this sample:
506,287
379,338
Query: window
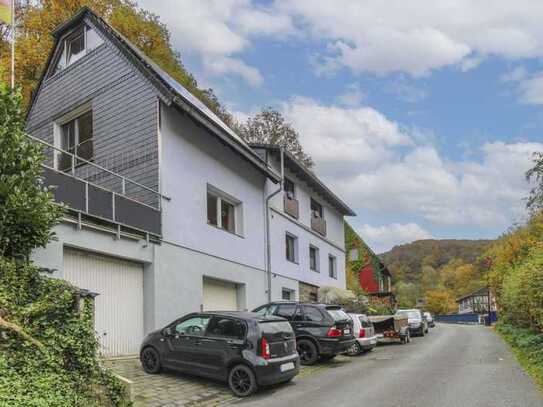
316,209
76,46
291,243
314,258
353,254
312,314
287,294
193,326
266,310
226,328
223,212
332,270
76,137
285,310
288,187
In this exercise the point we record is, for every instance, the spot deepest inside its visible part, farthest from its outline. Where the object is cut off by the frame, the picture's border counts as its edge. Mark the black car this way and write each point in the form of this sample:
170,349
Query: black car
322,331
242,348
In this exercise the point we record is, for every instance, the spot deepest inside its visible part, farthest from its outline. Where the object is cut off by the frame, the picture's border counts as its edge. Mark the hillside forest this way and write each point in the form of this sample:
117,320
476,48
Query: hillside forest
436,272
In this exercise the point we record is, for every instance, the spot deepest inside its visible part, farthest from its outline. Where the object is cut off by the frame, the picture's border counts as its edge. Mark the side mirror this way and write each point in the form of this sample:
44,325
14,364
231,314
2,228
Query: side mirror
167,331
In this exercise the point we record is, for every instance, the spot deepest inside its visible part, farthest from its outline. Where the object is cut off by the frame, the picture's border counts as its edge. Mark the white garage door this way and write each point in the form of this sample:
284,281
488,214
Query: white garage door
119,305
220,296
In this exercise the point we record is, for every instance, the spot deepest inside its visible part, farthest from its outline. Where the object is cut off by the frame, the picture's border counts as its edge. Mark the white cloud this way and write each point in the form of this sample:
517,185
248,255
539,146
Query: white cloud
219,31
383,238
377,165
419,36
352,96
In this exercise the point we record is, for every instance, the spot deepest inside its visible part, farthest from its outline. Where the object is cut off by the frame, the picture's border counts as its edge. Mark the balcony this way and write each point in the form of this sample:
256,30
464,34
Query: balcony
318,225
96,192
291,206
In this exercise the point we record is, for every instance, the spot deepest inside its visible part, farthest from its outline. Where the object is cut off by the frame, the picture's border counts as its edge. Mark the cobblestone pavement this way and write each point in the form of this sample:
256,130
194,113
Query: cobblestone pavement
176,389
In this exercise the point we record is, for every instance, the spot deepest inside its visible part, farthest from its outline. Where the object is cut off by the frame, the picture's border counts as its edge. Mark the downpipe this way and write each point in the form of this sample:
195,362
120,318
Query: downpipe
268,243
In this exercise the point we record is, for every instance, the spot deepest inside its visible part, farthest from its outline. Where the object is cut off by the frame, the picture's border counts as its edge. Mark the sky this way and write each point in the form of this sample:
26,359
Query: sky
422,115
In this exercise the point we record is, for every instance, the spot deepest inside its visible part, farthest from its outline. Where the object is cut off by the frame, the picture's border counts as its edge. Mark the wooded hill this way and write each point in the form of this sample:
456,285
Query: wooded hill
406,261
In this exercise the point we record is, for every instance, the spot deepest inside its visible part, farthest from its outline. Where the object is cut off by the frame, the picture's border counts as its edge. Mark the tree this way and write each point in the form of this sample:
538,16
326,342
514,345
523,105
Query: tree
535,200
270,127
27,212
407,294
440,301
37,19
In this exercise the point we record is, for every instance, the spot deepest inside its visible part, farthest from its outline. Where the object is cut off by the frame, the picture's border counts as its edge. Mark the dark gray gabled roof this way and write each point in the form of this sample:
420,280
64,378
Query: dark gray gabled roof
173,91
309,176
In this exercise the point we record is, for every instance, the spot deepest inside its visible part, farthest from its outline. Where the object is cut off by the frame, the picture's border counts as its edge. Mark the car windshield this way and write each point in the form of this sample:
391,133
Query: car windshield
337,314
409,314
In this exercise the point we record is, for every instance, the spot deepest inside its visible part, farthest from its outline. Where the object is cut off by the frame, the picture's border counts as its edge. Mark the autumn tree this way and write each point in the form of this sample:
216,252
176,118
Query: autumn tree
440,301
535,200
270,127
36,19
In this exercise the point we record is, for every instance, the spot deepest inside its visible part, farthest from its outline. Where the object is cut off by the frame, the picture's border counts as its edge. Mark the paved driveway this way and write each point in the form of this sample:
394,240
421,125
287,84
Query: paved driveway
454,366
175,389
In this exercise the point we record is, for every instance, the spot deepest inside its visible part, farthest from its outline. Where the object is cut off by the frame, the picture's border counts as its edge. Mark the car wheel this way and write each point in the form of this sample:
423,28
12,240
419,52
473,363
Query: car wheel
150,360
308,352
354,350
242,381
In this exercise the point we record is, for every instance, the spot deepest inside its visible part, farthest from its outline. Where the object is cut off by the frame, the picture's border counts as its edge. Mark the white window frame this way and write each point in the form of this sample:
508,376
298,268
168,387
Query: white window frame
57,131
64,54
295,242
292,294
317,268
236,203
332,271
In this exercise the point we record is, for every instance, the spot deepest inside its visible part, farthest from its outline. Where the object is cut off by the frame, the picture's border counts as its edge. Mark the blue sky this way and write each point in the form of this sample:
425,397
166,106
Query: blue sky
421,115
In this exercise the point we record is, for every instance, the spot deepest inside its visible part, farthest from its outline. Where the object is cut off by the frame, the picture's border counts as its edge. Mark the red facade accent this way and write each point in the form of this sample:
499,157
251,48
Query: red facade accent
367,280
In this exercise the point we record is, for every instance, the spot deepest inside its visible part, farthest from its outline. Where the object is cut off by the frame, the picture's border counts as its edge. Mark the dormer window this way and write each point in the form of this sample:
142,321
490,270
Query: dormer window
76,45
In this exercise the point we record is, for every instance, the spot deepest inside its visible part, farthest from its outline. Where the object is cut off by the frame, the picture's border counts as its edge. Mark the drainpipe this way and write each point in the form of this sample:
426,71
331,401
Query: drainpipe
268,244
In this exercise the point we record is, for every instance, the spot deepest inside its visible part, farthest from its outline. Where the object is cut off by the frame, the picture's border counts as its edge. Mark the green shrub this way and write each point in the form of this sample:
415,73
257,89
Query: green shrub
522,292
527,346
52,362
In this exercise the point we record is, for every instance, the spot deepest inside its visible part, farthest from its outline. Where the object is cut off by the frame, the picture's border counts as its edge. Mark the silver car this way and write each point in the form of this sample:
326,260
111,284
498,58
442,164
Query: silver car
364,334
417,322
429,319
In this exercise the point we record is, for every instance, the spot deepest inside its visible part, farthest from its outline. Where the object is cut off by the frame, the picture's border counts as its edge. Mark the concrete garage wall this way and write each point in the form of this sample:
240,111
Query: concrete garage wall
103,243
179,284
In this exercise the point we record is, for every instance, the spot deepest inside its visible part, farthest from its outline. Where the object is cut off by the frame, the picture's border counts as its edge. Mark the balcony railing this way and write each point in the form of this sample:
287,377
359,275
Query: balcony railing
110,196
291,206
318,225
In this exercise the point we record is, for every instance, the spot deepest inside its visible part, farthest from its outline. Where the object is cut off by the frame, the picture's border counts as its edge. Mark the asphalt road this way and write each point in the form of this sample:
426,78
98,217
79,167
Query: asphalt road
453,366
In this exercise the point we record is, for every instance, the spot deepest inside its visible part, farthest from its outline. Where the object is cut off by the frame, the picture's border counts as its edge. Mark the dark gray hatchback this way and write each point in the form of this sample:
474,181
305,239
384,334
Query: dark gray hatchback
242,348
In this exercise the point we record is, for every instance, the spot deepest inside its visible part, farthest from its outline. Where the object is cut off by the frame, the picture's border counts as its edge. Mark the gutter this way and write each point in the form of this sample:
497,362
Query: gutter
268,244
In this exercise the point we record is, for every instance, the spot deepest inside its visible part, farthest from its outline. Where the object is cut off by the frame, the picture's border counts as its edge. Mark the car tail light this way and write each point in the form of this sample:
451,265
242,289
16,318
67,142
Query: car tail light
334,332
362,333
265,349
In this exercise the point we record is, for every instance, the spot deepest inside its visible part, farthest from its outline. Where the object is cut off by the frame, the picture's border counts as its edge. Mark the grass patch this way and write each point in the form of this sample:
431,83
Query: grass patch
527,346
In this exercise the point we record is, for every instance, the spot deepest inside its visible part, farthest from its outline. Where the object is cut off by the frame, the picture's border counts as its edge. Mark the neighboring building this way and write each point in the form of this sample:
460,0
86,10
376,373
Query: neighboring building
373,275
476,302
166,203
306,228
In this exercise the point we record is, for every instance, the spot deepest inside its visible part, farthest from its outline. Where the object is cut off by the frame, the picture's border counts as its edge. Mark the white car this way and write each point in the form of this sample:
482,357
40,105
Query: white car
364,334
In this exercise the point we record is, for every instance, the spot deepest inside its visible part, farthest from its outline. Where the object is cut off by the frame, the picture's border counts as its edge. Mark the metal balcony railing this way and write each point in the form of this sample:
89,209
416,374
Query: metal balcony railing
291,206
94,190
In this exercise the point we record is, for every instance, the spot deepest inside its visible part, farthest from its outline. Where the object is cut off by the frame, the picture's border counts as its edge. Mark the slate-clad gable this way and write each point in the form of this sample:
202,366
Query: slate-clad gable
125,118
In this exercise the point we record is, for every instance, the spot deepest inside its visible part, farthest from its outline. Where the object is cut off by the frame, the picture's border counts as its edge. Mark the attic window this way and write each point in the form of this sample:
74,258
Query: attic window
77,45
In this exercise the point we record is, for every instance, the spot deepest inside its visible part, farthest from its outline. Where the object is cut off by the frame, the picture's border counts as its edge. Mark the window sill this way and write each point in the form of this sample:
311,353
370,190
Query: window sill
293,261
226,231
315,271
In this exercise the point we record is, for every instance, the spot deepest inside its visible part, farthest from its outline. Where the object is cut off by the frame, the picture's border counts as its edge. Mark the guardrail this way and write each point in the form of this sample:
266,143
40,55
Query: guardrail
118,199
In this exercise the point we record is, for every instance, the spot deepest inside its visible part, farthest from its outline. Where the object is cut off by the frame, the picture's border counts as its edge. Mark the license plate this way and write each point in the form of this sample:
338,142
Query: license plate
346,332
285,367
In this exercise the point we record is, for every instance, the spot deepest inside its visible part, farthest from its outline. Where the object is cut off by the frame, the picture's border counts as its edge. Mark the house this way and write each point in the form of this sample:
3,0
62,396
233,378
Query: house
306,228
476,302
166,205
373,275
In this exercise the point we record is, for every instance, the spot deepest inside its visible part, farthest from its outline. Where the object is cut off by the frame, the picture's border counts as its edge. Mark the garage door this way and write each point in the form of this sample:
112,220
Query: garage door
119,305
220,295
